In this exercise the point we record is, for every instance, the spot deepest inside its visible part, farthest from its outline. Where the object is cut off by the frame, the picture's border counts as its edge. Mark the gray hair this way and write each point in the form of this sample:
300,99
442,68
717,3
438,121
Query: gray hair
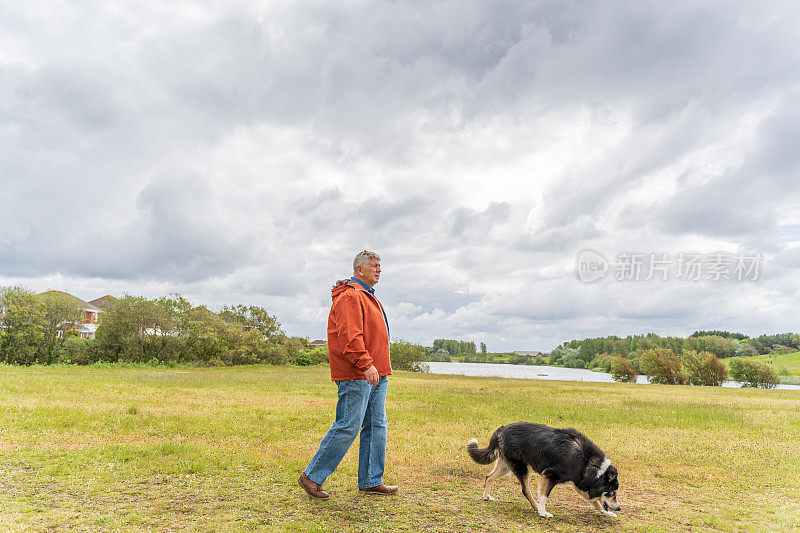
362,257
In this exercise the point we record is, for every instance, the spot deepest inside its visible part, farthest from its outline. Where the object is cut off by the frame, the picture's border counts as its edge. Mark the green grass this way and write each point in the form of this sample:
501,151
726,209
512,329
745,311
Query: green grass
789,361
220,449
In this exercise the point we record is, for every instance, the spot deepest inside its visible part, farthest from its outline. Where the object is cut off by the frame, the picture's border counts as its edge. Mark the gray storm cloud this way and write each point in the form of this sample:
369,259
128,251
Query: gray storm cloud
244,152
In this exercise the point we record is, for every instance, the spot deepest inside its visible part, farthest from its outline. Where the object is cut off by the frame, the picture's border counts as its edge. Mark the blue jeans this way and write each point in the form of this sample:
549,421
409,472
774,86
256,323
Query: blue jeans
360,406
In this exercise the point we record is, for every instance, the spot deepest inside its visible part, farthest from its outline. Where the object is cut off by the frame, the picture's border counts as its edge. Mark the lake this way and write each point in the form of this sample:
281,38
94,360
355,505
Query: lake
496,370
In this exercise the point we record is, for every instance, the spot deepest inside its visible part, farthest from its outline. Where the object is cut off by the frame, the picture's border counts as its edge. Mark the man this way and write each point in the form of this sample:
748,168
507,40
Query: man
358,349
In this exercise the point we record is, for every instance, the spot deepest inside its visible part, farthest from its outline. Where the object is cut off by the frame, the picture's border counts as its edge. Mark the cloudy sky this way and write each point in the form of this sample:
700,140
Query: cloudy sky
244,151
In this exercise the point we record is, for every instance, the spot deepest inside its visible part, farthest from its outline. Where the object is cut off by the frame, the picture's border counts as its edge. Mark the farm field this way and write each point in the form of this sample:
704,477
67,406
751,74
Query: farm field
220,449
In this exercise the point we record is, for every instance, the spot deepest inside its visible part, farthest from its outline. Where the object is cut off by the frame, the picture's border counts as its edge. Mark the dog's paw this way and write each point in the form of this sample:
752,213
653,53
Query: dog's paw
489,498
545,514
610,514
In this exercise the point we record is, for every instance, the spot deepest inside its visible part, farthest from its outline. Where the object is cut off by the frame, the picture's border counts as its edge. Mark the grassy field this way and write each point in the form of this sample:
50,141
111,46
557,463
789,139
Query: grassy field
789,362
144,448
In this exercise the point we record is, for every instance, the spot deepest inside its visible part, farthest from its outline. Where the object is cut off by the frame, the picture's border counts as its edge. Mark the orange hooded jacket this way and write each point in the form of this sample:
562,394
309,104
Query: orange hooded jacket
358,334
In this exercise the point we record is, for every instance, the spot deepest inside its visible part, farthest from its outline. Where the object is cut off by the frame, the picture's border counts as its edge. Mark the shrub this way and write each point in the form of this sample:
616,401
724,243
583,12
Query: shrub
439,355
312,356
704,368
575,363
23,348
408,356
520,359
781,349
662,366
302,359
754,374
77,351
318,354
621,370
295,346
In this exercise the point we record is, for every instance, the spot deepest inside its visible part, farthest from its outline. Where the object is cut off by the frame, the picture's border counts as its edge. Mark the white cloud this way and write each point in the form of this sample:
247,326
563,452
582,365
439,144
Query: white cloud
243,152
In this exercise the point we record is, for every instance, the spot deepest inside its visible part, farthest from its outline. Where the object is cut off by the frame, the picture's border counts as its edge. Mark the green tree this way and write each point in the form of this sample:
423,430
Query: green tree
296,348
754,374
720,346
662,366
23,340
746,349
726,334
60,312
252,317
602,362
621,370
704,368
136,329
562,355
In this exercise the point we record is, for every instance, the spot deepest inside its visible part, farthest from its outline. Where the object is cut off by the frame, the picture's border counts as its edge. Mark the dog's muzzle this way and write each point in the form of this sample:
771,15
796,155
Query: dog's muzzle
607,507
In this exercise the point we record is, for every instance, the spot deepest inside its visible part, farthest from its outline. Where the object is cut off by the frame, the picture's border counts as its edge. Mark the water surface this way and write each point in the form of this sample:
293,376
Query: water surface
497,370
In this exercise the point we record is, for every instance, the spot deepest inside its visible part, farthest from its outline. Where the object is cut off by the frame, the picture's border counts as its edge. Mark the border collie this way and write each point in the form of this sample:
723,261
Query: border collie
557,456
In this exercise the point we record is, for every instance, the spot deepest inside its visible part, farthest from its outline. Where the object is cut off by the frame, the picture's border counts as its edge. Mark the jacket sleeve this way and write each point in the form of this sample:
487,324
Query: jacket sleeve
349,319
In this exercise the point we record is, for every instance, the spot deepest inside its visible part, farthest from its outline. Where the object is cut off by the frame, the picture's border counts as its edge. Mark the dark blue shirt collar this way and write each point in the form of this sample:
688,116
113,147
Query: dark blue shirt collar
367,287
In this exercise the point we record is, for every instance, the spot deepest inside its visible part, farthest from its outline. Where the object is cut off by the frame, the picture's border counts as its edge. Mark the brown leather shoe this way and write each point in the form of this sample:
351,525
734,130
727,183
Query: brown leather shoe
381,489
313,489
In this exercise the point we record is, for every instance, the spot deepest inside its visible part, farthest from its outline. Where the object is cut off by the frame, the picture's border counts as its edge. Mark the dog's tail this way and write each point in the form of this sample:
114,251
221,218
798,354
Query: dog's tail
487,455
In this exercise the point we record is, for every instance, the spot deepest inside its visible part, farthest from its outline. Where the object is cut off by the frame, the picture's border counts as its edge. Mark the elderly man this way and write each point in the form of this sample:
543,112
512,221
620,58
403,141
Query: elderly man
358,349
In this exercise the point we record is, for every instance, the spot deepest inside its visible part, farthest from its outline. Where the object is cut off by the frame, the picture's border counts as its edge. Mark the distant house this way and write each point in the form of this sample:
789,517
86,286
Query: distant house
318,342
533,353
87,324
103,302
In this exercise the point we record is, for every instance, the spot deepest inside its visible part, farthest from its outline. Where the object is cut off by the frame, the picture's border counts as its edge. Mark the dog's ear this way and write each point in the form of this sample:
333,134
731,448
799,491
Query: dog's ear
589,476
592,471
611,473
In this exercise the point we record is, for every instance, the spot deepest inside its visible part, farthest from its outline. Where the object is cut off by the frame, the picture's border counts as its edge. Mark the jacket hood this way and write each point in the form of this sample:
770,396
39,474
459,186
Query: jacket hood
339,288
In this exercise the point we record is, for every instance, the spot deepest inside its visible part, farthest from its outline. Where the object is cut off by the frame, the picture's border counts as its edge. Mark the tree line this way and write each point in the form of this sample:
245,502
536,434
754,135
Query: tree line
455,347
39,329
677,360
721,344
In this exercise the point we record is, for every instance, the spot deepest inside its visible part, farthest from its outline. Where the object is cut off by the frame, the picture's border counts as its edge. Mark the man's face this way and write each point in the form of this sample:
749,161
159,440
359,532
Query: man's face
370,272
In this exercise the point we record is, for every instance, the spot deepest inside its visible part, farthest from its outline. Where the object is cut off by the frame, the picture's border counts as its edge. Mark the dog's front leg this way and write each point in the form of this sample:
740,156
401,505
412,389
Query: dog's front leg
599,506
536,504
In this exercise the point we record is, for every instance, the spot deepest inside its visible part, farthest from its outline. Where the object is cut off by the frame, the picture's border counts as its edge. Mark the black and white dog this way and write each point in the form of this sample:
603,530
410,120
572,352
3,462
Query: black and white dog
557,456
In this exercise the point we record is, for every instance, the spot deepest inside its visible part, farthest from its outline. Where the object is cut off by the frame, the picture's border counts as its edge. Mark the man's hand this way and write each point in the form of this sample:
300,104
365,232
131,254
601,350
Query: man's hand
372,375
